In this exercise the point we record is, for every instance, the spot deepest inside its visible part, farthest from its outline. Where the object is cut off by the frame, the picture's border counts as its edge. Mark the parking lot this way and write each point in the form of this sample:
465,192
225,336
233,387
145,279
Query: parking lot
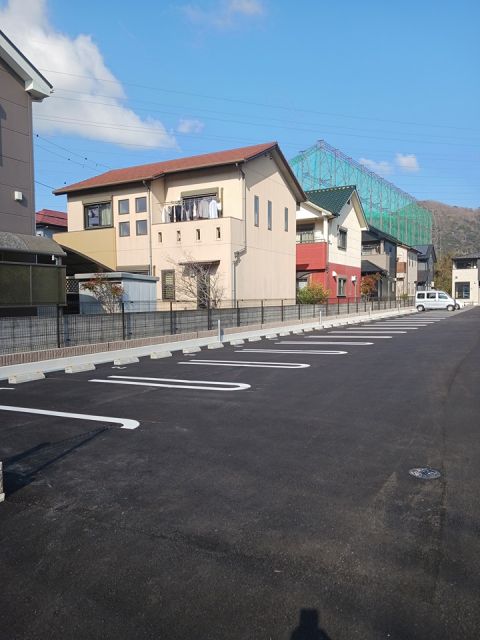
256,491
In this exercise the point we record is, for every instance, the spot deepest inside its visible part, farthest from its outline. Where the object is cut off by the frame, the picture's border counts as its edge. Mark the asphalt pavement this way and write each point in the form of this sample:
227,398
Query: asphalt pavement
253,492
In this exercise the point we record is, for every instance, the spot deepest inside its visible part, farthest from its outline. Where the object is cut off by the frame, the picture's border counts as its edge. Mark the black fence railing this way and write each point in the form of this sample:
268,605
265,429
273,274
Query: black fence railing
130,320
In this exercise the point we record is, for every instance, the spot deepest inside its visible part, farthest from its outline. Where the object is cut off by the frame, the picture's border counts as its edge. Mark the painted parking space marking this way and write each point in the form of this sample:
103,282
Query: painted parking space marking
175,383
323,342
310,352
249,363
350,332
125,423
7,388
344,334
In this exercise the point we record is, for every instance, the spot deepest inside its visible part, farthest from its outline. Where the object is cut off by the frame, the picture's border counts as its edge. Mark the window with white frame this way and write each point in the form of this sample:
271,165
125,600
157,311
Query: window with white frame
342,238
98,214
341,287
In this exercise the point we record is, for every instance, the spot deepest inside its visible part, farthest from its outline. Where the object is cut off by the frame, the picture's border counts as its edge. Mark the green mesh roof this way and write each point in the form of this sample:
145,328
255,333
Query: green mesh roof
332,199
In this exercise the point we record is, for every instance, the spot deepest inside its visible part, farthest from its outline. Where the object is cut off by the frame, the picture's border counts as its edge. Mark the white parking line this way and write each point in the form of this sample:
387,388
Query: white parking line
312,352
250,363
124,422
323,343
344,334
202,385
372,330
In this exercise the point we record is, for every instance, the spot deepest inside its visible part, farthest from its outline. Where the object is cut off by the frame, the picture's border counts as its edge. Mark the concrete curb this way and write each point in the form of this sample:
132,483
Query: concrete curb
188,350
79,368
236,343
157,355
215,345
19,378
126,360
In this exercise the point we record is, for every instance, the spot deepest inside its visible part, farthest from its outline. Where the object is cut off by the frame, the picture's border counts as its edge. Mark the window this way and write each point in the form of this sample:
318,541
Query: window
341,287
179,235
160,236
219,233
168,284
285,224
465,264
342,239
462,290
269,215
141,205
420,295
123,206
256,211
197,234
142,228
431,295
124,229
98,215
442,296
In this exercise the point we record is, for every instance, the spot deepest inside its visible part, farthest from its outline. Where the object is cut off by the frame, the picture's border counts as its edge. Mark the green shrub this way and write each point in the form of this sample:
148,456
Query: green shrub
312,294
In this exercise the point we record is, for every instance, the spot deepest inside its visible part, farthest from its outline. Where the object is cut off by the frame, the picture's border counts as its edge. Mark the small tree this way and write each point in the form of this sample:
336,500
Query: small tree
198,281
313,293
369,284
108,293
443,273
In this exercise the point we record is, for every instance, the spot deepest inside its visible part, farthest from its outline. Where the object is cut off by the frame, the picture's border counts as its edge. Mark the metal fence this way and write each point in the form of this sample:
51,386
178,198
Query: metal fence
130,320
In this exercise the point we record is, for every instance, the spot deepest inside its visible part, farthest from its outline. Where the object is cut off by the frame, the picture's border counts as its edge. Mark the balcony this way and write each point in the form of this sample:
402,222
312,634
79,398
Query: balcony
311,256
189,210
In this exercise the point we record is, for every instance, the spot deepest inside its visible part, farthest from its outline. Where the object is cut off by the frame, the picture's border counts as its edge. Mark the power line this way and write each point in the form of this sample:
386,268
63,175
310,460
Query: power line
98,164
255,104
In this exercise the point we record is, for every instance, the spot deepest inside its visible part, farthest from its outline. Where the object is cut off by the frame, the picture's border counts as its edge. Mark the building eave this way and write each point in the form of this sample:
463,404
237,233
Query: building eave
35,83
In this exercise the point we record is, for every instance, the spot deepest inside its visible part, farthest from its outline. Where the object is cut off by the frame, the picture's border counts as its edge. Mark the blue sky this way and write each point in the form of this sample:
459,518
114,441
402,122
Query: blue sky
393,85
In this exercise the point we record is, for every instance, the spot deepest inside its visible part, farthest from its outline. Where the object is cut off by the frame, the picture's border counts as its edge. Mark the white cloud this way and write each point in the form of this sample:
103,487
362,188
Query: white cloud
81,64
408,162
225,14
190,126
382,167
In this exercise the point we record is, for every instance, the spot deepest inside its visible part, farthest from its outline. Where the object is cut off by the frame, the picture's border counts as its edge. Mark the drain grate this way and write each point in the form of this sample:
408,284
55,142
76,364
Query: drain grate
425,473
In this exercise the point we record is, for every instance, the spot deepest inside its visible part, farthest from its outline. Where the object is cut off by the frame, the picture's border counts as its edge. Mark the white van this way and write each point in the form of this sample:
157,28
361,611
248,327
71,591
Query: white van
435,300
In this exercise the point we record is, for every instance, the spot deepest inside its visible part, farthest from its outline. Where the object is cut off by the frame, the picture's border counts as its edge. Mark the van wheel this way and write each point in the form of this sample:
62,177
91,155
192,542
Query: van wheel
450,307
420,307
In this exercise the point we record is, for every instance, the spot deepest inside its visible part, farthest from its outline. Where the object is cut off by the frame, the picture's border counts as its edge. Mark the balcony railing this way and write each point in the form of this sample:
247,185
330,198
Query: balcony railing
307,237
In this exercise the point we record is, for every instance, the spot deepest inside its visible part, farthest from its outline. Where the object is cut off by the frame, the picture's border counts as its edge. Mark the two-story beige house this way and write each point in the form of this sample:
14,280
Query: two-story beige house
231,211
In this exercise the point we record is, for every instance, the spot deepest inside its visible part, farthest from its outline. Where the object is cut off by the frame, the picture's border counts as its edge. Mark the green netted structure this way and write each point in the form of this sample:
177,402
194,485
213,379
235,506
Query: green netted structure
386,206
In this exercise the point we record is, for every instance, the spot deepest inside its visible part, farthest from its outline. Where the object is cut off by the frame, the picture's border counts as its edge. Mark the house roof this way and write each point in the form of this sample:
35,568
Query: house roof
368,267
375,234
51,217
426,250
35,83
159,169
21,243
333,199
469,256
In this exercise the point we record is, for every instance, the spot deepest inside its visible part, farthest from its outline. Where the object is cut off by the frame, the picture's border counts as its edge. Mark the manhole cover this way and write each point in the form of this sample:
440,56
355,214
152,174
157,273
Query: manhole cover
425,473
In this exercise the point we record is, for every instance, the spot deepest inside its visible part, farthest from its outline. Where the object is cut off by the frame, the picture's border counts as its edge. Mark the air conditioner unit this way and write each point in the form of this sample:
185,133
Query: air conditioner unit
334,274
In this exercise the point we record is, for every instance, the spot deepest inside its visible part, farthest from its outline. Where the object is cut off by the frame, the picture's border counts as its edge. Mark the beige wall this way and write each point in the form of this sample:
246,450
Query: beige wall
98,244
265,271
406,282
471,276
348,220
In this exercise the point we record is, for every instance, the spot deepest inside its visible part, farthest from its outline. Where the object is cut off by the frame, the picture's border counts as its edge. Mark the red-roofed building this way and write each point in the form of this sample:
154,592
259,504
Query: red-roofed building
232,210
48,222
